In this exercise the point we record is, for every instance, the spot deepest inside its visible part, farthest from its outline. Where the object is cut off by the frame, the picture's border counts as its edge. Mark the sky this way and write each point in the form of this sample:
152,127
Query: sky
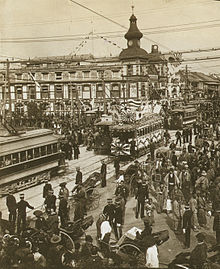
63,27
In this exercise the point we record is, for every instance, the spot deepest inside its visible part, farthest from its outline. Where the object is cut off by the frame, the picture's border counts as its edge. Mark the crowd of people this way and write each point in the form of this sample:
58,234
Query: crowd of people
183,182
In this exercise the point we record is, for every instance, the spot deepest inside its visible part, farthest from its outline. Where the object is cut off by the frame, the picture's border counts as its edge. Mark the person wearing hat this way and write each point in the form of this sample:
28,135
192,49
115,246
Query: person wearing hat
194,208
202,183
171,180
50,201
63,210
191,148
12,207
185,182
47,187
198,256
109,211
178,137
40,222
187,225
216,224
202,209
103,174
141,195
78,176
64,191
117,222
55,252
53,222
22,206
117,165
122,191
176,213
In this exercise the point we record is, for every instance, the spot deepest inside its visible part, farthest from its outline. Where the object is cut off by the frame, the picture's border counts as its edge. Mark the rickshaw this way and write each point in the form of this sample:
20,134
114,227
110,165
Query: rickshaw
129,248
92,194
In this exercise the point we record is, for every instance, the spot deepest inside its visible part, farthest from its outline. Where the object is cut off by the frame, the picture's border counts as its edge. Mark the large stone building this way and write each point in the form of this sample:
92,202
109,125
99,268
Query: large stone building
59,82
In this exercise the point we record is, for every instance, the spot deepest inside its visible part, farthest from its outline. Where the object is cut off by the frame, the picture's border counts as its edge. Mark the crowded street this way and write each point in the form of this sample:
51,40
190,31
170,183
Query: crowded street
109,134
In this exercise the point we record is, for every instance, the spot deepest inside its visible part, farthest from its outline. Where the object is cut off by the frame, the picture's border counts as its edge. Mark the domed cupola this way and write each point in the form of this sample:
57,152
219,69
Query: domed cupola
133,37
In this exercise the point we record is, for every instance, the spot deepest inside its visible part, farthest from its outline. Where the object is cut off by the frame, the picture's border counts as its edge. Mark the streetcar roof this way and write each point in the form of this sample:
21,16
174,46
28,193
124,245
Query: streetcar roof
25,141
105,123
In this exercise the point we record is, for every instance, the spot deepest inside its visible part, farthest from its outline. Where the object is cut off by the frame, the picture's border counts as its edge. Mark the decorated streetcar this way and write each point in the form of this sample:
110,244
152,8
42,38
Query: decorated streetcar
130,133
134,139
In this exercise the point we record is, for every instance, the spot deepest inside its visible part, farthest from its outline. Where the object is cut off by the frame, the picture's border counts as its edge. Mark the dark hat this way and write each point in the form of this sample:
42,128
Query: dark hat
63,184
151,241
55,239
109,199
21,195
187,206
89,238
200,237
38,213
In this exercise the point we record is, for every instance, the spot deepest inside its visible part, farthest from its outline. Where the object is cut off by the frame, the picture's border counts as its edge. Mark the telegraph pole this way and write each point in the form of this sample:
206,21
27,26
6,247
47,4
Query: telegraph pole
103,90
8,85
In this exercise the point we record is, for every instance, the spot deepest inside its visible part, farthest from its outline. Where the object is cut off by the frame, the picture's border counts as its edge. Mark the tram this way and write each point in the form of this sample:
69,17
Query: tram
182,117
134,139
28,159
129,139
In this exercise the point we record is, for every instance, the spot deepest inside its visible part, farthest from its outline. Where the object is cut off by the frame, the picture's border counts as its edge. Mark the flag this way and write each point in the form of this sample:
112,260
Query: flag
33,78
135,104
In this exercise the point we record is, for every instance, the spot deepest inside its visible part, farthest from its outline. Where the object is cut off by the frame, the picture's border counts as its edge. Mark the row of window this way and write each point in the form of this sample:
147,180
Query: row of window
84,92
60,75
146,130
26,155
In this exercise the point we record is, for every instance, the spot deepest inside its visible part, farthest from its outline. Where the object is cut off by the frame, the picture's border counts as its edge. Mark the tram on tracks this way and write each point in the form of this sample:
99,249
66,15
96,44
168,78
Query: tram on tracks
28,159
182,117
131,139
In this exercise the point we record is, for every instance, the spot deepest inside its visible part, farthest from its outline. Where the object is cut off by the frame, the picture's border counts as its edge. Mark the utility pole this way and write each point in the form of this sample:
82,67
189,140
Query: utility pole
187,84
8,85
103,90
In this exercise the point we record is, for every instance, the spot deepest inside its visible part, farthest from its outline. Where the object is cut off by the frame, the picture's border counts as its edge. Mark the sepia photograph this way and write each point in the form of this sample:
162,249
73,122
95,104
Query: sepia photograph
109,134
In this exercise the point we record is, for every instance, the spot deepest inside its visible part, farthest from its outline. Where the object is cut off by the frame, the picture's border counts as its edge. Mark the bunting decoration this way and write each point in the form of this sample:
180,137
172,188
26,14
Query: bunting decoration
110,42
80,46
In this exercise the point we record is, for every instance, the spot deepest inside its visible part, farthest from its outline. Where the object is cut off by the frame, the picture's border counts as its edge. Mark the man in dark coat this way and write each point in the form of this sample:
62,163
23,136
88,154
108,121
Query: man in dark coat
63,211
199,254
178,137
76,151
118,220
103,173
47,188
22,206
50,201
141,196
187,225
216,224
122,191
78,176
117,166
12,207
109,211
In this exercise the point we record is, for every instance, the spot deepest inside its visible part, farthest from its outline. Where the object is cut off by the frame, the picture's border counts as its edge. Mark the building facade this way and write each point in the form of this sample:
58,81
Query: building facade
62,83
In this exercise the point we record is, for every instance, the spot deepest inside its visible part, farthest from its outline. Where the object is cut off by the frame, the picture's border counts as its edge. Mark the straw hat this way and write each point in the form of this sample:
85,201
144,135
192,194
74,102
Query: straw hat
55,239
